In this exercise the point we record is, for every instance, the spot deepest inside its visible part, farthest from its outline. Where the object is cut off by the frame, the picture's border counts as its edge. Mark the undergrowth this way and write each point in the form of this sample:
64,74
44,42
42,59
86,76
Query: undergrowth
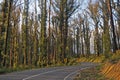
90,74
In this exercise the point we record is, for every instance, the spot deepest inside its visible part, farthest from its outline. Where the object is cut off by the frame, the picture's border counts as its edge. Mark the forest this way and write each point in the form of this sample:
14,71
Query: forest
39,33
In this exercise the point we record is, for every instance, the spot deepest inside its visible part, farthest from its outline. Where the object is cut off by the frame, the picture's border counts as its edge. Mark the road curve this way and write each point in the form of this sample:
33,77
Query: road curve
54,73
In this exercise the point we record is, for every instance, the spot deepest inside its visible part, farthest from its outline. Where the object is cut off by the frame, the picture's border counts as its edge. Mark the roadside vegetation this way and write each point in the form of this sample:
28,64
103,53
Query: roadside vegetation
111,68
108,68
90,74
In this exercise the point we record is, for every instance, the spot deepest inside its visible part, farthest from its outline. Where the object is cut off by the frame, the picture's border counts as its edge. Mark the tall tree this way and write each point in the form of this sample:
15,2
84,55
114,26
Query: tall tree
106,28
3,32
35,38
64,9
93,11
118,20
87,35
25,32
112,26
43,45
49,37
8,33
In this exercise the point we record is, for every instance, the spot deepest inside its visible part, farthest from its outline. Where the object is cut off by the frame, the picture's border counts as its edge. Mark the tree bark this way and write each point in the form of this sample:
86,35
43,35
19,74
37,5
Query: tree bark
112,25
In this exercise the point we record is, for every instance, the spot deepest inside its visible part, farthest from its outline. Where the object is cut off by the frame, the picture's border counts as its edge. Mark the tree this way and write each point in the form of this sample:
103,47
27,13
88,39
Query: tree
64,9
106,28
3,31
25,32
112,26
94,14
87,35
49,37
117,8
43,44
35,38
8,32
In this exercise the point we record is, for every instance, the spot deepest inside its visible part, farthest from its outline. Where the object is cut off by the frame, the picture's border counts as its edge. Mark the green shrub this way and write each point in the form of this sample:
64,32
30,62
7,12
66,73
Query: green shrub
115,57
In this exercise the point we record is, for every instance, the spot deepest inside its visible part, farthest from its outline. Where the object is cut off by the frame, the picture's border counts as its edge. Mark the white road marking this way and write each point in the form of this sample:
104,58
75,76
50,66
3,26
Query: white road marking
44,73
70,75
74,73
54,71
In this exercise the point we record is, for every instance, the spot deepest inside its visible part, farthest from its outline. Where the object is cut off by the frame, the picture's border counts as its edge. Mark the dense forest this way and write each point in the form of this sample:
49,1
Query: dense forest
48,32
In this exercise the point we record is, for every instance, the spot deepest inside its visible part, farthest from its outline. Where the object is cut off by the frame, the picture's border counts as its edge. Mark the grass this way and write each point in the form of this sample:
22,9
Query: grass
111,70
7,70
90,74
111,67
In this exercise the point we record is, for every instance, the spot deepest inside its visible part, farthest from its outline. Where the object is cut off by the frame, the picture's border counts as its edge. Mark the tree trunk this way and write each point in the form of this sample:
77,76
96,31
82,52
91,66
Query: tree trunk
8,32
112,25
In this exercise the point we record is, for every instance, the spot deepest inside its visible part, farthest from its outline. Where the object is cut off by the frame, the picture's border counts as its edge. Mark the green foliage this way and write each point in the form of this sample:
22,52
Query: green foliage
115,57
5,70
91,58
72,61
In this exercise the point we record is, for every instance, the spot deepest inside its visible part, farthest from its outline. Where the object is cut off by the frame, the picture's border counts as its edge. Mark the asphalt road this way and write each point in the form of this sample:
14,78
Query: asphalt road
54,73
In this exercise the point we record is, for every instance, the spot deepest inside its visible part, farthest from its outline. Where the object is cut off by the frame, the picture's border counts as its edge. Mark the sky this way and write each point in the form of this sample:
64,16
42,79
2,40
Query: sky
0,0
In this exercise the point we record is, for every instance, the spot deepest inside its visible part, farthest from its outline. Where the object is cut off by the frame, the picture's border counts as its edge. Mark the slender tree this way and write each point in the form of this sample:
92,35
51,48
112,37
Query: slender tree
43,45
8,32
25,32
112,26
93,8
